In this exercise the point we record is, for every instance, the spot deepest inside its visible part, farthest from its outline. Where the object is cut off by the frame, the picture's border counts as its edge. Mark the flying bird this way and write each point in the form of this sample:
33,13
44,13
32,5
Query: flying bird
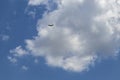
50,25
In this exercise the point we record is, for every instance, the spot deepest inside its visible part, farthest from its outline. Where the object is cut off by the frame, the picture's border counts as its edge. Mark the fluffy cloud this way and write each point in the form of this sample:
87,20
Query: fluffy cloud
83,31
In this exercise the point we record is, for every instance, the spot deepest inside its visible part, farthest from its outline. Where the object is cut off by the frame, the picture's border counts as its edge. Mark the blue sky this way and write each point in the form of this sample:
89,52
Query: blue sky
19,22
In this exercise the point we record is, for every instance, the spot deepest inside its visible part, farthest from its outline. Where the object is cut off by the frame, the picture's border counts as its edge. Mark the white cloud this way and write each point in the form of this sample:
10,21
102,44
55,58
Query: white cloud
83,31
18,51
50,4
4,37
37,2
36,61
24,67
11,59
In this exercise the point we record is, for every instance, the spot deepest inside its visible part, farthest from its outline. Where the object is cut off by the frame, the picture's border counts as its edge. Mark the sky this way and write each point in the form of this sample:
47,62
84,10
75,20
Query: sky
82,44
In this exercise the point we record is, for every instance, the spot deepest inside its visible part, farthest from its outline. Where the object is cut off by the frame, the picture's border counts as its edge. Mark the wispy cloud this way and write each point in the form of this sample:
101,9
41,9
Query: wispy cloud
4,37
18,51
24,67
12,59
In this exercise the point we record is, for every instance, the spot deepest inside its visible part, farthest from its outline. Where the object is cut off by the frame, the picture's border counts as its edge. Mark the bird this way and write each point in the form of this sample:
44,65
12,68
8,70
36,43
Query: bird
50,25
